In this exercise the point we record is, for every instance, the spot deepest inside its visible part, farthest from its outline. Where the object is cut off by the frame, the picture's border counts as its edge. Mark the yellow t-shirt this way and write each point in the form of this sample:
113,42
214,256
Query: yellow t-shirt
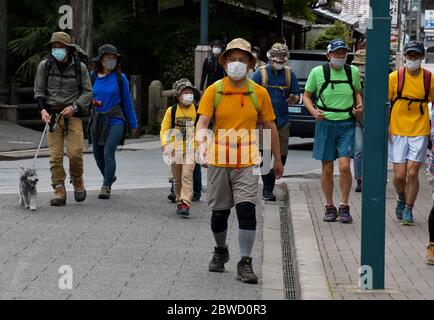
235,121
407,120
185,119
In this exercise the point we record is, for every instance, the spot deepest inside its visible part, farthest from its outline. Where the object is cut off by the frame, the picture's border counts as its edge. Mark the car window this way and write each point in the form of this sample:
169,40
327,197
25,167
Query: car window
302,68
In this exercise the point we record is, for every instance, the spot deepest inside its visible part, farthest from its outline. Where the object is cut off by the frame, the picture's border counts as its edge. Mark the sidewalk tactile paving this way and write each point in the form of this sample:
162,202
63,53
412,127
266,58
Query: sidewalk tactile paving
407,276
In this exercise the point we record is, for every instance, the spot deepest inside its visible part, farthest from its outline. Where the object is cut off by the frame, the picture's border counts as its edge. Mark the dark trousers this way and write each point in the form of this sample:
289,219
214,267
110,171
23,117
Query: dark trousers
269,180
197,179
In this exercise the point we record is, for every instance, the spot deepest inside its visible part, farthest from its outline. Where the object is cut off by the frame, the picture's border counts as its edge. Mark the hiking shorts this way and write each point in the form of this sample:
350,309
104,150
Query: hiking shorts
403,149
334,139
228,187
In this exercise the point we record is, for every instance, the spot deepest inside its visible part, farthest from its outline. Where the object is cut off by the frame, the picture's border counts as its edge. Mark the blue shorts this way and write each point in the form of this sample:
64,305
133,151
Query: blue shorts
334,139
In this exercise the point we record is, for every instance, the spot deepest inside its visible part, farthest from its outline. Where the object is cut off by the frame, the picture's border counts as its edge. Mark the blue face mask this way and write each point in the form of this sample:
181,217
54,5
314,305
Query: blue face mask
59,53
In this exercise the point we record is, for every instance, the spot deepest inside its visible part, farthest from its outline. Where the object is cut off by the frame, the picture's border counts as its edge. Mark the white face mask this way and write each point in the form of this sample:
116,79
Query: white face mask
216,50
414,65
338,63
187,99
236,70
278,66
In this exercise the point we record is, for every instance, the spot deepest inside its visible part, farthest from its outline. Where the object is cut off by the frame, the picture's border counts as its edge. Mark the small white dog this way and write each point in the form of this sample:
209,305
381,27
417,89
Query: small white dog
28,192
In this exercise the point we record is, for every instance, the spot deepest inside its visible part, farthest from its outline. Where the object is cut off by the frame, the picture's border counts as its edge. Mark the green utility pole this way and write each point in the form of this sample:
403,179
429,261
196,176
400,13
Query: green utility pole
375,143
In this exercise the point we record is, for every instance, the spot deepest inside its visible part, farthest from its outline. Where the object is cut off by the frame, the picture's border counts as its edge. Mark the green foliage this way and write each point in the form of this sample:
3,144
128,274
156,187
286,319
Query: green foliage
110,25
337,30
27,46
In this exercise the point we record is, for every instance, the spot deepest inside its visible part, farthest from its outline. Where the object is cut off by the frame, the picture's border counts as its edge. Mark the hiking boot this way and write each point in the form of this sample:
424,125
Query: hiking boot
104,193
331,214
430,253
407,217
245,272
183,210
220,257
196,196
172,197
79,190
267,195
59,198
359,186
400,206
344,214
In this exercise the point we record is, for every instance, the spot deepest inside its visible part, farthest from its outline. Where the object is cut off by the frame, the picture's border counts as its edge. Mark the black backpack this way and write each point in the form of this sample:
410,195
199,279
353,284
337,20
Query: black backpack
328,81
173,116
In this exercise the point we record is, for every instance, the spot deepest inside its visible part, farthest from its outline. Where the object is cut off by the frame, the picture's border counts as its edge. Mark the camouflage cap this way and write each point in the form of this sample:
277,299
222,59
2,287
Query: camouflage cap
278,51
180,85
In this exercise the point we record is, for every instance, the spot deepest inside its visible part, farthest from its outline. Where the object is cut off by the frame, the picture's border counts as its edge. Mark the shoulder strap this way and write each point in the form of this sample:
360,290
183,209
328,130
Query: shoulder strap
427,83
93,77
264,76
349,73
401,80
173,115
77,70
288,76
218,87
121,88
196,107
48,66
253,95
326,71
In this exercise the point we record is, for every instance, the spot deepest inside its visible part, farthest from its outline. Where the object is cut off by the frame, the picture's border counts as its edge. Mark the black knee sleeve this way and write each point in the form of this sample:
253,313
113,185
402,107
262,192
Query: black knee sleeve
219,220
246,212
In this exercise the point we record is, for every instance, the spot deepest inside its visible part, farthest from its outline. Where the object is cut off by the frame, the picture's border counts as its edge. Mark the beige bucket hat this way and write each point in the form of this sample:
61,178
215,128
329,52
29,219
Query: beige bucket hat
238,43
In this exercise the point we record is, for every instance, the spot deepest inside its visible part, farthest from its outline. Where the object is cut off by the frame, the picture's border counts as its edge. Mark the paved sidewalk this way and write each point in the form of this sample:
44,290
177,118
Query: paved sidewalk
407,274
130,247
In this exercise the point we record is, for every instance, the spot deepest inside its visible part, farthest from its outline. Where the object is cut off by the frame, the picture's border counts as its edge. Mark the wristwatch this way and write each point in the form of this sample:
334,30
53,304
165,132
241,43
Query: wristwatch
74,107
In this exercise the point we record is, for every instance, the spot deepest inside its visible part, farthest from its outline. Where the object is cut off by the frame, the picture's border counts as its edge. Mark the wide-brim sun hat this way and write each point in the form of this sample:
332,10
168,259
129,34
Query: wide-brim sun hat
61,37
106,49
240,44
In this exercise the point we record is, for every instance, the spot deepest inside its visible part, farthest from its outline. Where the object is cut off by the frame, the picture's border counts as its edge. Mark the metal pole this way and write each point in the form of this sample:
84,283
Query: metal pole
399,25
204,16
418,21
279,21
375,147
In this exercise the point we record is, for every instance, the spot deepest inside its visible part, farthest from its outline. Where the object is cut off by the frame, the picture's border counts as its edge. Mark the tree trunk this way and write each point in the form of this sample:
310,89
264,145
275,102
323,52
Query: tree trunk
3,43
82,32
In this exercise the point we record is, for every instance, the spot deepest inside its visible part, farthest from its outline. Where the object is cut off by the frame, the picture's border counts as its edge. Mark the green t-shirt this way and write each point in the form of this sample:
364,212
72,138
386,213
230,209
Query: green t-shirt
341,97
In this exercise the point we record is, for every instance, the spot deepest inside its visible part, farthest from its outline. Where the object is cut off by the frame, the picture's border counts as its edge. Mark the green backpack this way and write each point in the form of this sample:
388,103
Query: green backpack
220,92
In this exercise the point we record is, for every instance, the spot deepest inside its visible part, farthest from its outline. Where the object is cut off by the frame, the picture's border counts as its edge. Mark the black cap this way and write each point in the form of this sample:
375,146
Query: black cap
218,43
107,48
414,46
257,49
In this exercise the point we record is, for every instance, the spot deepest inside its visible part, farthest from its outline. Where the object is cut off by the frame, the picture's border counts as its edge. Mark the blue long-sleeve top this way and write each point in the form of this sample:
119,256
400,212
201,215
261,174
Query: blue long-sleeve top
106,90
278,96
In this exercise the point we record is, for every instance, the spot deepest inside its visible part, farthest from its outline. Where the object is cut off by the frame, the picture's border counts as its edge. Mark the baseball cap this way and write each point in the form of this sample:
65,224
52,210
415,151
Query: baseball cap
337,44
414,46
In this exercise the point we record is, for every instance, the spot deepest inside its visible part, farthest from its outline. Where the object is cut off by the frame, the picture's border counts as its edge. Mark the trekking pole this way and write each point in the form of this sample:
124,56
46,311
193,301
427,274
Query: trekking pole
40,144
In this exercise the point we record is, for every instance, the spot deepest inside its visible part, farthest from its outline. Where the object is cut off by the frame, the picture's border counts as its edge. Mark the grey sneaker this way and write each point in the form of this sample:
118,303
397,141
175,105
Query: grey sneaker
245,272
331,214
344,214
220,257
104,193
